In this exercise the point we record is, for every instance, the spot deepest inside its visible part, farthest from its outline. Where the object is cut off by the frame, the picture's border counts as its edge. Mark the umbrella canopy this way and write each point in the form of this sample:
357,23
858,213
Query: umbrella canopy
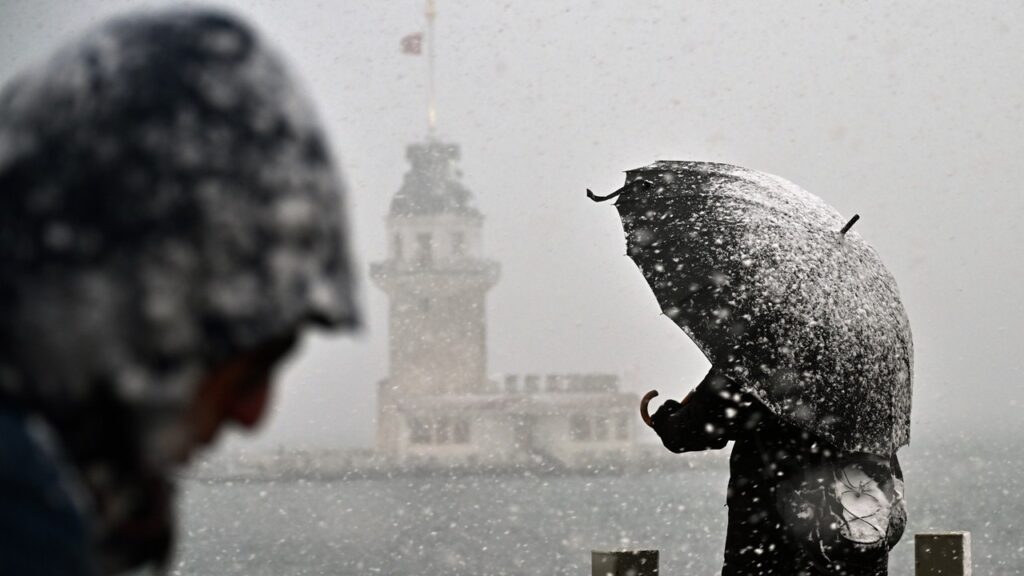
773,287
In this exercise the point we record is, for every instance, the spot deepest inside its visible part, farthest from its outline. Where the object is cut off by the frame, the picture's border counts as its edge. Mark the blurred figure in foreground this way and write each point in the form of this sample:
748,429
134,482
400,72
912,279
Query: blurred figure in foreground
169,223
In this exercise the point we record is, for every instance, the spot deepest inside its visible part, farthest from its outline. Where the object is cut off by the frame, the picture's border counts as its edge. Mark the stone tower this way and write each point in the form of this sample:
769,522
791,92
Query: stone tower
437,281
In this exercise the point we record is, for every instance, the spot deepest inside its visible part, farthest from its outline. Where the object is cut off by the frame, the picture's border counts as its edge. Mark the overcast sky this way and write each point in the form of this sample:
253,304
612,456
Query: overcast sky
909,114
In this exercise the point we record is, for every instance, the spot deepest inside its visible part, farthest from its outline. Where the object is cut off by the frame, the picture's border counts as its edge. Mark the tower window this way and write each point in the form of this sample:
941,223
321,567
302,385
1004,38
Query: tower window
622,427
424,254
600,429
458,244
461,431
419,432
579,427
443,431
398,247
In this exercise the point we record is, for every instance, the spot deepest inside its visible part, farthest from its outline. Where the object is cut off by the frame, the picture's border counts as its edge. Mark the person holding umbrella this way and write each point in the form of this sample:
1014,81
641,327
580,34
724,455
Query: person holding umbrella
170,225
811,356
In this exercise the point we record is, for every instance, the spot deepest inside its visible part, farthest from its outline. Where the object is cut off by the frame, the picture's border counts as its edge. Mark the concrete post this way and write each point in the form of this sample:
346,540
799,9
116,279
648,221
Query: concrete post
624,563
942,554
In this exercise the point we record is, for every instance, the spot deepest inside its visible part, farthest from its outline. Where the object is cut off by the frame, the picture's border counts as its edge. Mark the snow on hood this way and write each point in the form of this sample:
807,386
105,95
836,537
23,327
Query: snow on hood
166,201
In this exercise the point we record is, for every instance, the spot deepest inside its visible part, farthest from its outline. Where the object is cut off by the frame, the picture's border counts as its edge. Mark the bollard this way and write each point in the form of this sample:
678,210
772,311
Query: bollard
624,563
942,554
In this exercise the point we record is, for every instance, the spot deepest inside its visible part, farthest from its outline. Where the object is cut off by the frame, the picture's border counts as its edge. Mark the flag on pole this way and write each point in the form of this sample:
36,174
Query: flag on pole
413,44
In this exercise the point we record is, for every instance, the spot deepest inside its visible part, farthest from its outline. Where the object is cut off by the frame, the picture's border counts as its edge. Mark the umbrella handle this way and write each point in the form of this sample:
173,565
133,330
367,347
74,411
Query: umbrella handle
644,414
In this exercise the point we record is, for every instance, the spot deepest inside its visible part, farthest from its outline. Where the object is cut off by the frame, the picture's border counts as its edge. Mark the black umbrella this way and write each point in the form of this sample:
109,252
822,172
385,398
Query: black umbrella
774,287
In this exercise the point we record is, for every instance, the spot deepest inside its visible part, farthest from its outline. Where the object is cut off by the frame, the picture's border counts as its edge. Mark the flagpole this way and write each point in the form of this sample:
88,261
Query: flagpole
431,109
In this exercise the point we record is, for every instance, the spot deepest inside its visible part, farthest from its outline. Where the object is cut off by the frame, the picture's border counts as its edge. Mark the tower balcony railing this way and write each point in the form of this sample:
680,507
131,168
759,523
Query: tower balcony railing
557,383
447,266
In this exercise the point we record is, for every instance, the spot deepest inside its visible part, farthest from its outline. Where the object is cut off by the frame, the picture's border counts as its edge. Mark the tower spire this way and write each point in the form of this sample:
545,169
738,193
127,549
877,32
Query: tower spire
431,13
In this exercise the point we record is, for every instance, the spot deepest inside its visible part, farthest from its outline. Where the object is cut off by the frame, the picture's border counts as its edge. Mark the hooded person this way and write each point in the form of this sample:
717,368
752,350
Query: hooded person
798,506
170,221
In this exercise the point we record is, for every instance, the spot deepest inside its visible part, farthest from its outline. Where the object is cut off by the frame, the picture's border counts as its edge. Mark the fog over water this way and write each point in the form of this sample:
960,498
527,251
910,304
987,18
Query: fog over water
910,114
507,525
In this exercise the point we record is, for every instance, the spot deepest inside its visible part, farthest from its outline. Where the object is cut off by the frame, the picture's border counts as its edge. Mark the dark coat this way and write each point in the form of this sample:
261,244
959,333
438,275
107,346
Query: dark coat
768,455
44,532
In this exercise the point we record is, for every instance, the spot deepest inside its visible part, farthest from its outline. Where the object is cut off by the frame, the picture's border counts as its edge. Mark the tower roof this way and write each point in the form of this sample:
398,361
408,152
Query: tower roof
431,186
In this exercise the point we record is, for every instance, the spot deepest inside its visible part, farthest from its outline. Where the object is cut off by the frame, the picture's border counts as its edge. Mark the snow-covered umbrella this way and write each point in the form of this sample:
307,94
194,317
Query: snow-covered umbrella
773,286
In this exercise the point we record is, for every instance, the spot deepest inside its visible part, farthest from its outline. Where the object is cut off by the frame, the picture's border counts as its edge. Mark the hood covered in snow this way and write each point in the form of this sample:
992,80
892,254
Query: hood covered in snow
167,200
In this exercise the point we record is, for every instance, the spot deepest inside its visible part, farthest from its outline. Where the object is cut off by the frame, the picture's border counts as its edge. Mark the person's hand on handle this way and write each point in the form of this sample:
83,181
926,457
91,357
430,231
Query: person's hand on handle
670,404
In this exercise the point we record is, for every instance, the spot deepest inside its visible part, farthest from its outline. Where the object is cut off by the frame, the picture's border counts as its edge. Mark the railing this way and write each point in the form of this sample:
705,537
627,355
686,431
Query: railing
938,554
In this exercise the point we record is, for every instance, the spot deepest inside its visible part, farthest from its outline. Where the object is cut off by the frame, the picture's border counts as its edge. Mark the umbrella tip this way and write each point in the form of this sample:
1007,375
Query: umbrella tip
850,224
596,198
